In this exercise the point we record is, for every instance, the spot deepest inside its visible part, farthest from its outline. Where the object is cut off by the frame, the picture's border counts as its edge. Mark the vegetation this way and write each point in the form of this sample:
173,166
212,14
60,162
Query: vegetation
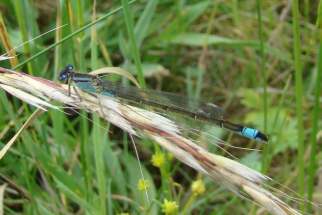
259,60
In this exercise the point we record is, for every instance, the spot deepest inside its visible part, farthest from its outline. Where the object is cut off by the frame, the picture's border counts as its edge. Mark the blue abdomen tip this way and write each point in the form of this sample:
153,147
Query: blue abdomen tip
249,133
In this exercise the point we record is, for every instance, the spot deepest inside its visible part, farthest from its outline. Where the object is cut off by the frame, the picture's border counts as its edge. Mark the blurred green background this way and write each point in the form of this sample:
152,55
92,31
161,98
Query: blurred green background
259,60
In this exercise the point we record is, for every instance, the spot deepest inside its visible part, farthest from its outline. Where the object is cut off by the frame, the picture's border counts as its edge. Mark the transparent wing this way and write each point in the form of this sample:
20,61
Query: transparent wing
170,102
165,100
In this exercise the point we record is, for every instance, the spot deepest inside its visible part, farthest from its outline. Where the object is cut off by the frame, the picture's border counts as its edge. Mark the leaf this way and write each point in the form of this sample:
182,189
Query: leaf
181,22
151,69
114,169
117,71
251,99
199,39
286,138
142,25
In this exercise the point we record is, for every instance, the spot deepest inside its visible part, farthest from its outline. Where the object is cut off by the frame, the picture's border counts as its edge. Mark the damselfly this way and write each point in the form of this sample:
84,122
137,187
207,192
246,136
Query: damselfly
165,100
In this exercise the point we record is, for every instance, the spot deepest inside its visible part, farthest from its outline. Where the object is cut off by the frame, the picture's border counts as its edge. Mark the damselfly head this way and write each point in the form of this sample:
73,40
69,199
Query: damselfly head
65,73
69,67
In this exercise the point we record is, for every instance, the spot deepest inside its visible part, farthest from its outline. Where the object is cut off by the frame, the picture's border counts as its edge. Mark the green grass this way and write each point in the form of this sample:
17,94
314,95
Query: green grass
316,113
299,94
133,44
265,71
266,152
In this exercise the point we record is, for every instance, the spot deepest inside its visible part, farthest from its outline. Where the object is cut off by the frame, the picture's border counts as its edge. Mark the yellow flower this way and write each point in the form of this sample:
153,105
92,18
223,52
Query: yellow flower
143,184
169,207
198,187
158,159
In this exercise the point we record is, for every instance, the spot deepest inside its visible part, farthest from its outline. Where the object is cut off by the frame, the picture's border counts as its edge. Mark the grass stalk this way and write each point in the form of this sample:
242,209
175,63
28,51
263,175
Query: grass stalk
265,161
58,36
85,155
313,167
5,39
134,48
141,28
80,39
98,135
315,121
57,118
20,14
98,142
299,95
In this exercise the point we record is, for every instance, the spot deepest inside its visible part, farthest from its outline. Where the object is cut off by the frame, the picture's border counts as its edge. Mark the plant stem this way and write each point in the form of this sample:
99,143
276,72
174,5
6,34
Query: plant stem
134,49
299,95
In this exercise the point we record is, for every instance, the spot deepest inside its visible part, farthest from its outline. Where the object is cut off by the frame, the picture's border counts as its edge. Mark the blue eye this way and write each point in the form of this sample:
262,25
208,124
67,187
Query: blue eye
69,67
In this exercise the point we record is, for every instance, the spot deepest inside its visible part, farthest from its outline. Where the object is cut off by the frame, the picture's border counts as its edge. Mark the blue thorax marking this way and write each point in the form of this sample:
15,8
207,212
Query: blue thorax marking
88,87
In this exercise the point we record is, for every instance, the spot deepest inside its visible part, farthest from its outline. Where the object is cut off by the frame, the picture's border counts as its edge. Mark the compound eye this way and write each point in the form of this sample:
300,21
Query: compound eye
69,67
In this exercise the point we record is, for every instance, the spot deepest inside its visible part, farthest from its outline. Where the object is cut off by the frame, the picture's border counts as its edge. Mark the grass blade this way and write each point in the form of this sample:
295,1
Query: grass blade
299,95
134,47
313,167
141,27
